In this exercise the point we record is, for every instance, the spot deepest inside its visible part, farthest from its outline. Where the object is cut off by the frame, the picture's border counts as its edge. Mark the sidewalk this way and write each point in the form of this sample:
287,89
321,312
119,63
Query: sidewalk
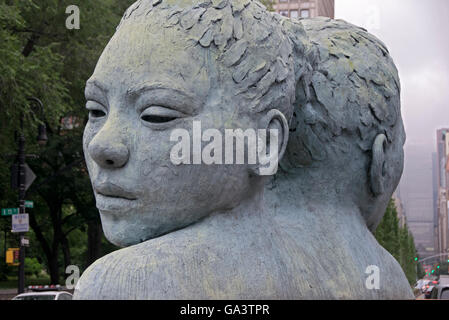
7,294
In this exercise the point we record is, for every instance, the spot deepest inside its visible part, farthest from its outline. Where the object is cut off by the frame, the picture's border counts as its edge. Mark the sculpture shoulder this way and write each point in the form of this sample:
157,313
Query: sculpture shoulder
202,263
393,282
144,271
188,265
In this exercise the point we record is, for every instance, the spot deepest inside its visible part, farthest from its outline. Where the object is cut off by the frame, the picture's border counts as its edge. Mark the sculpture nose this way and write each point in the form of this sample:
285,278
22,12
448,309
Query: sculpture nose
107,153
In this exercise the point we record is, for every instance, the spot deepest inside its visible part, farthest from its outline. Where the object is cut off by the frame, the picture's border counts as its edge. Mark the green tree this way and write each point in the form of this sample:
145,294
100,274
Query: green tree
398,241
387,233
32,267
40,57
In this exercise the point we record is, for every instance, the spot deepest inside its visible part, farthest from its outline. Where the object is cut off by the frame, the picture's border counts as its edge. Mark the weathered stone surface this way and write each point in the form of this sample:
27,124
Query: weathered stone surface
191,17
234,53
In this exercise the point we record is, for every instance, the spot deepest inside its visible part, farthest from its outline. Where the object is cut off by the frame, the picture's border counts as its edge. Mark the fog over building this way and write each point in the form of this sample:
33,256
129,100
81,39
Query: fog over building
416,194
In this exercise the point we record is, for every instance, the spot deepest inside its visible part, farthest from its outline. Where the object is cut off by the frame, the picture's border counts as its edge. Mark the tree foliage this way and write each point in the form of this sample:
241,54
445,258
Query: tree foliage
32,267
398,241
40,57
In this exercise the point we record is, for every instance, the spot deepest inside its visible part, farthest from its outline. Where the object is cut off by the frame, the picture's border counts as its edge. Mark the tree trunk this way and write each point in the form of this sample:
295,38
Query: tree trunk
30,45
55,213
54,268
94,236
66,251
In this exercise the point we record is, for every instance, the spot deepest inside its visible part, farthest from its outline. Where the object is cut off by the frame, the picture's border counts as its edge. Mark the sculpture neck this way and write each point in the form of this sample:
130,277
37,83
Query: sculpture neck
303,188
250,208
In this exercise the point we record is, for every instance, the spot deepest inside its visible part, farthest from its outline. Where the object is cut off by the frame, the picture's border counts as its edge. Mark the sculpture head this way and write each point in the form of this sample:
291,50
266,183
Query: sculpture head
347,133
230,64
227,64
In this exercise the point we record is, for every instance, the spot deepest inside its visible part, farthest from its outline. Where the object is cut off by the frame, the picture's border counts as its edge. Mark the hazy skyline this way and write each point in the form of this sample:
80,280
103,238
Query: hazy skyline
416,34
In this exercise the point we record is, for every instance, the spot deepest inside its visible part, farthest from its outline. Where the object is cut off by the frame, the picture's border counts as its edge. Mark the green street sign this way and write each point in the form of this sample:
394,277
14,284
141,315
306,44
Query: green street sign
29,204
10,211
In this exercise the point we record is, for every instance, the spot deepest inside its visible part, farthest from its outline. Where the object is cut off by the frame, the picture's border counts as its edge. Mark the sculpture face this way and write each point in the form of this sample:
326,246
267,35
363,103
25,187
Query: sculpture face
146,84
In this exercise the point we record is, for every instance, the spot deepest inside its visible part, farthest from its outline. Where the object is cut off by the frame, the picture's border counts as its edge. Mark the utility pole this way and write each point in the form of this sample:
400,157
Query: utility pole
24,181
4,249
21,156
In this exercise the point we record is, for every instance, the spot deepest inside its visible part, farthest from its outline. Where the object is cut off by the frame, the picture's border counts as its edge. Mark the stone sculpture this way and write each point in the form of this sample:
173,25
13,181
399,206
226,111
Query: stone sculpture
211,231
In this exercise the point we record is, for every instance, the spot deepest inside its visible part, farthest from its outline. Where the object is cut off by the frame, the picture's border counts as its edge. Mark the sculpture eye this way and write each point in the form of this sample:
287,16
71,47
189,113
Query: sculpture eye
96,110
157,119
96,113
158,114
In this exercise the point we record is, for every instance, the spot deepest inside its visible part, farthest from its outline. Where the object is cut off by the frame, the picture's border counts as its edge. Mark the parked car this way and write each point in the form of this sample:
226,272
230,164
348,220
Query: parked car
440,292
51,292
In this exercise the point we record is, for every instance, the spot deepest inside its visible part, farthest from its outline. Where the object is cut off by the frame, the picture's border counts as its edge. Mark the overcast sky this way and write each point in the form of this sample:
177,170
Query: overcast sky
416,33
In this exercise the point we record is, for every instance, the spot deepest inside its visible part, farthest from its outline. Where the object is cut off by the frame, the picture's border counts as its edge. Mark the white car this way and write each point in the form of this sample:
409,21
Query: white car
419,284
44,293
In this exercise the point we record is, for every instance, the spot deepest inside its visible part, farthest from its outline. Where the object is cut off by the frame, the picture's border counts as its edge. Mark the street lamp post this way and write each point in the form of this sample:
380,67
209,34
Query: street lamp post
42,138
21,156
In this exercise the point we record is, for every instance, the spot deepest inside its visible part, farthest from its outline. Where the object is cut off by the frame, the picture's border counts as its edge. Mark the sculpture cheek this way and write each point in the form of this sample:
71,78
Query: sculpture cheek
155,174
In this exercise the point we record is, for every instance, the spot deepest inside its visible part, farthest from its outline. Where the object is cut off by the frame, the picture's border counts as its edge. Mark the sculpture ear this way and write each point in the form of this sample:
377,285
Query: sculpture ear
272,142
377,172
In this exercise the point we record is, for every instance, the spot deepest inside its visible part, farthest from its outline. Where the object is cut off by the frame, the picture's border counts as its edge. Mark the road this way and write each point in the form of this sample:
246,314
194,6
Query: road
7,294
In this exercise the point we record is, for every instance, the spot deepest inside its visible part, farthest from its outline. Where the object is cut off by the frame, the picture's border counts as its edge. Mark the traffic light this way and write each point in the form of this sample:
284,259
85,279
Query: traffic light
416,259
12,256
438,267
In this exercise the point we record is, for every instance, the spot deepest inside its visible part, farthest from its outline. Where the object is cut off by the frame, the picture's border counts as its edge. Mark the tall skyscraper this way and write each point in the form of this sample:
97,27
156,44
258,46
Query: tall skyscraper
305,8
442,185
435,173
416,194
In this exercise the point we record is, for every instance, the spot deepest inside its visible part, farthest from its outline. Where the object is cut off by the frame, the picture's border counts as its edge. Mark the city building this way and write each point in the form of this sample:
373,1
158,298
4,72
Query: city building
442,186
416,195
435,173
305,8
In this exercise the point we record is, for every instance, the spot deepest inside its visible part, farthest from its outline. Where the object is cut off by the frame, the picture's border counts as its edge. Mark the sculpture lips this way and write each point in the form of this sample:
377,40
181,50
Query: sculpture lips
111,190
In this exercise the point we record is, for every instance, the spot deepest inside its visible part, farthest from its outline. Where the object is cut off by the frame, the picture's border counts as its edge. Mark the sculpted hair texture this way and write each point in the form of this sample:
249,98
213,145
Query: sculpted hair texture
353,89
349,97
250,45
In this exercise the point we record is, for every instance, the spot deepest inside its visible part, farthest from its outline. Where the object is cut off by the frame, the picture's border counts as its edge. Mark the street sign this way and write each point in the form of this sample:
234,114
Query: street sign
29,176
10,211
29,204
20,223
25,242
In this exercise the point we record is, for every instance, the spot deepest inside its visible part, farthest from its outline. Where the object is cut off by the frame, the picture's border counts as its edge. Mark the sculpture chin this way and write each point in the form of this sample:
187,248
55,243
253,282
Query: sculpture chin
125,230
131,227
